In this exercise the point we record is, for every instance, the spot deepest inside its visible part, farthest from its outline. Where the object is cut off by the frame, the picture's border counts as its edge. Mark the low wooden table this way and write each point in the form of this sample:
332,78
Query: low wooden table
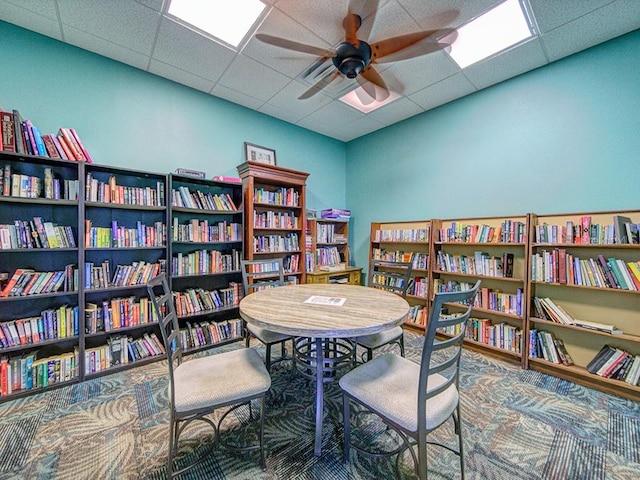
348,275
323,312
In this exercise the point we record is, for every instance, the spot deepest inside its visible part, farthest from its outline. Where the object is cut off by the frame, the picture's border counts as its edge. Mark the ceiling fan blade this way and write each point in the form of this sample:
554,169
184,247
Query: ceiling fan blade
319,85
367,10
439,41
372,75
298,47
315,66
365,97
394,45
351,24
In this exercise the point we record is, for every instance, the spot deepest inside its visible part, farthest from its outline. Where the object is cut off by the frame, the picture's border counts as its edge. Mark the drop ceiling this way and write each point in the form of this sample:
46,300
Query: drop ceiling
268,79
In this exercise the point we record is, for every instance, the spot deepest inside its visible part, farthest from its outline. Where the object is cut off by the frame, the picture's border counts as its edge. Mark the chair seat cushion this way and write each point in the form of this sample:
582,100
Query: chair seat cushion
219,379
266,336
376,340
388,384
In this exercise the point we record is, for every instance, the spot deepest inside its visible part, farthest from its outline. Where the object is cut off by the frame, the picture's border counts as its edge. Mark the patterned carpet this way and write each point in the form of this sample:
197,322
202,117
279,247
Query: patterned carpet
517,424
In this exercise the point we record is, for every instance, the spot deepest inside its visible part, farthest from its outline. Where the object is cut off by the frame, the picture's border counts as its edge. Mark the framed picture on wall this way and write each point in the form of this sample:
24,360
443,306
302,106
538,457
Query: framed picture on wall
258,154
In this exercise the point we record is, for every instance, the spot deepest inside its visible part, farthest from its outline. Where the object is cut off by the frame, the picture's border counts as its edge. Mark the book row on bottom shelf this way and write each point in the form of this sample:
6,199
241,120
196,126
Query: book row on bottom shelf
121,349
27,372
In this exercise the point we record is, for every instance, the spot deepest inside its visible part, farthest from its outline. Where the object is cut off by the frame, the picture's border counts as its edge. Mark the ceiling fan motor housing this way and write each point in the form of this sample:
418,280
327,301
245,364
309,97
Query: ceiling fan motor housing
351,60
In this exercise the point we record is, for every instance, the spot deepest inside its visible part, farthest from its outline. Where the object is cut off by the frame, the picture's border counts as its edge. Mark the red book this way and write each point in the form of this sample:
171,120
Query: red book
562,266
72,144
12,282
585,224
8,142
84,151
52,151
67,151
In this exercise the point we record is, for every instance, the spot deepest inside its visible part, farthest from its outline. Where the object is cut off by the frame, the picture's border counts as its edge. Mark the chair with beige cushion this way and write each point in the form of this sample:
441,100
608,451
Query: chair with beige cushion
414,399
199,386
394,277
257,275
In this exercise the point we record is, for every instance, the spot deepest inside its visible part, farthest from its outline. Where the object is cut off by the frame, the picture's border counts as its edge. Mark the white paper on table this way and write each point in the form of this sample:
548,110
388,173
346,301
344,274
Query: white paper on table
320,300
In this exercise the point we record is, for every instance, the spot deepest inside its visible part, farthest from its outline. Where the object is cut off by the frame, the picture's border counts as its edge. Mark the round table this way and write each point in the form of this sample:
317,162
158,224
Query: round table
321,312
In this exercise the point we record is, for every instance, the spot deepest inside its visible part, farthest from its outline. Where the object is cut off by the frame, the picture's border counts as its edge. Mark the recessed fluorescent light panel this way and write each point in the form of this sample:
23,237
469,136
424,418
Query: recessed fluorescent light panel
494,31
226,21
361,100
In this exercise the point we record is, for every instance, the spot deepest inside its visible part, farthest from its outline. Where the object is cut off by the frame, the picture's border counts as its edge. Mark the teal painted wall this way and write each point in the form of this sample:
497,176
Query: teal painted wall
562,138
130,118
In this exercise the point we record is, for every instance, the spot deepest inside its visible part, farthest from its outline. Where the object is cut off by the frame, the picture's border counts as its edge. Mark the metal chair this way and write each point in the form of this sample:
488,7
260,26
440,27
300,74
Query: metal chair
394,277
257,275
201,385
414,399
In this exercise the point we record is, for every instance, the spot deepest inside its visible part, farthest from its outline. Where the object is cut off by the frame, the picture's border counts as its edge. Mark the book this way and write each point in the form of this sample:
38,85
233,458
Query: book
605,353
620,229
72,143
8,132
79,142
13,280
602,327
565,358
18,134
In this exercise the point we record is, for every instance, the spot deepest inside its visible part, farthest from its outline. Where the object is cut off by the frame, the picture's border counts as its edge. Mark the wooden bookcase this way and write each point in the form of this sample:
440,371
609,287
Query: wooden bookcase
125,244
327,243
41,332
395,241
274,208
600,303
494,250
206,246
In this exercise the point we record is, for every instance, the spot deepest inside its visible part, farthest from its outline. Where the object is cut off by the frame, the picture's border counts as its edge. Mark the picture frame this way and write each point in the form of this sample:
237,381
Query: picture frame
258,154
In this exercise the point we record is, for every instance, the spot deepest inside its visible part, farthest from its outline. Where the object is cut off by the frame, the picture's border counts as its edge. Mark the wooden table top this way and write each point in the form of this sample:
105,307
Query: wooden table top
365,310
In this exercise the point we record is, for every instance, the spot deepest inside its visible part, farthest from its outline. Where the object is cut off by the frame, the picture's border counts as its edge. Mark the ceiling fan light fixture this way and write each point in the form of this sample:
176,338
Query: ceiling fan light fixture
353,99
351,59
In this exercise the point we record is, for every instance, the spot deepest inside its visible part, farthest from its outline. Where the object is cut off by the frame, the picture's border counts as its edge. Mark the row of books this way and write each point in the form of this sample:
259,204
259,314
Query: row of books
611,362
405,235
287,197
36,233
203,334
27,372
329,233
120,236
418,287
486,298
183,197
116,313
336,213
510,231
291,263
51,324
559,266
501,335
276,243
584,232
120,350
138,273
110,192
327,256
202,262
547,309
22,136
480,264
202,231
26,281
417,315
545,345
15,184
195,301
282,220
392,256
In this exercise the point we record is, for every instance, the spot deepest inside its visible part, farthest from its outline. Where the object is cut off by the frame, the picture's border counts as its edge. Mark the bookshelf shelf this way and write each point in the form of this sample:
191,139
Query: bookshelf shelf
326,246
287,188
397,241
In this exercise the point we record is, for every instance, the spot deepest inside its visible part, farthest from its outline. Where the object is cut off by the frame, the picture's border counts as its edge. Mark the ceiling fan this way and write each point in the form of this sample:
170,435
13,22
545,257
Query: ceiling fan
354,58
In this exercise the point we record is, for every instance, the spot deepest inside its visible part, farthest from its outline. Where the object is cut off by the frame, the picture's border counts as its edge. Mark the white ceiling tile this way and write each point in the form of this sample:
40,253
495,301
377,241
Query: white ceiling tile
449,13
511,63
390,21
283,100
323,18
180,76
287,62
395,111
44,22
247,76
97,45
362,126
286,115
128,24
333,115
551,14
44,8
236,97
443,92
417,73
154,4
189,51
615,19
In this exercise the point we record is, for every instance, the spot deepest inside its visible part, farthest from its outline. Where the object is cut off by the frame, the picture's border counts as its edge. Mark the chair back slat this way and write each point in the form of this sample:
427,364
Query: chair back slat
394,277
260,274
442,356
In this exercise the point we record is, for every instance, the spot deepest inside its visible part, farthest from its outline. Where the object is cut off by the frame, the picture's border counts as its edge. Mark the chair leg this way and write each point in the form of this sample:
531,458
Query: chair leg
401,343
369,354
173,442
347,428
458,425
422,458
267,360
247,338
263,462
